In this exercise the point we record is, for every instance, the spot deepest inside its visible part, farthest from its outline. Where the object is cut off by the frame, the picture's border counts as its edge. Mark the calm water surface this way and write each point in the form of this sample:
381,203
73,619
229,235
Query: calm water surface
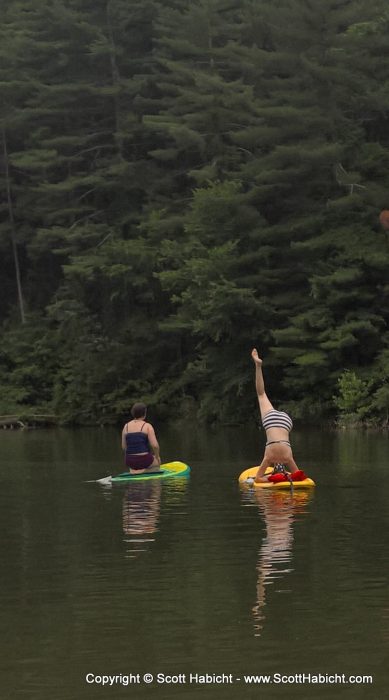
192,575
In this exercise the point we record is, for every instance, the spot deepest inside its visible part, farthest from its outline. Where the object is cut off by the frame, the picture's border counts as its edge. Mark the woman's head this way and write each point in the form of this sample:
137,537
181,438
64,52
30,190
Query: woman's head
138,410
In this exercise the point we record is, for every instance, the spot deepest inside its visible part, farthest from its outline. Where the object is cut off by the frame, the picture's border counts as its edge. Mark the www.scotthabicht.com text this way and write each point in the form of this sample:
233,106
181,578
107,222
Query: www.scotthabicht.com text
228,679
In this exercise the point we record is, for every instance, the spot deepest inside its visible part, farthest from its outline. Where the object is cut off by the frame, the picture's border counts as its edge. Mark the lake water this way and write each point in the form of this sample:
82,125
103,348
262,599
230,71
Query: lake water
192,576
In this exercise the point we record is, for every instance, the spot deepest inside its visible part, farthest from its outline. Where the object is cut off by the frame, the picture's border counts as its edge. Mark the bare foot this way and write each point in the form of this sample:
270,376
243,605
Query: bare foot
256,358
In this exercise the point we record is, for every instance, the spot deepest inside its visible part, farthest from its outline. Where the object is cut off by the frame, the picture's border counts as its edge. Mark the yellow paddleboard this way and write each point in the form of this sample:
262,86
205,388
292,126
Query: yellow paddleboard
251,472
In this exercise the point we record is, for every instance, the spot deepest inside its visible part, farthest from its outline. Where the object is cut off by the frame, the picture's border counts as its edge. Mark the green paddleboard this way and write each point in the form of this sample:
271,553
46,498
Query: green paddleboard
168,470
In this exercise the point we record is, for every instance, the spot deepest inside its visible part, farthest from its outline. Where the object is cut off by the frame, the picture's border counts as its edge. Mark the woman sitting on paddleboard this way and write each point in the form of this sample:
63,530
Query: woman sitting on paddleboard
277,425
140,444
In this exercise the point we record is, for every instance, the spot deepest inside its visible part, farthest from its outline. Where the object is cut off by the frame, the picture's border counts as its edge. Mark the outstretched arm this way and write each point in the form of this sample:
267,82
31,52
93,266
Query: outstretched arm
260,475
153,442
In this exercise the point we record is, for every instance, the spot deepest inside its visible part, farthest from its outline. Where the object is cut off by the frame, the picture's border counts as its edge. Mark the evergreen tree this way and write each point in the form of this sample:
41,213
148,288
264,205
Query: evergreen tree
182,181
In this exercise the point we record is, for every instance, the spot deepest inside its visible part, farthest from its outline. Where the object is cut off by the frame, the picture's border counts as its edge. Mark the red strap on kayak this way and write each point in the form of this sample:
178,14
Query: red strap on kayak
299,475
276,478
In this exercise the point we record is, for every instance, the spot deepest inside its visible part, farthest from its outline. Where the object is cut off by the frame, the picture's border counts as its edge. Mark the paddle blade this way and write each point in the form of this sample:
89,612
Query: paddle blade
105,481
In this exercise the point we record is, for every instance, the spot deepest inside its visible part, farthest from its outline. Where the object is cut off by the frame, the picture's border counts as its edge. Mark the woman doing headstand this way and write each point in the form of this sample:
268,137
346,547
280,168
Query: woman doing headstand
277,425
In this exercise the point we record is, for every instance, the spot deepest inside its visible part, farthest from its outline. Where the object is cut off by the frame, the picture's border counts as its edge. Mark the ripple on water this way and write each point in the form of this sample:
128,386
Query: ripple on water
196,577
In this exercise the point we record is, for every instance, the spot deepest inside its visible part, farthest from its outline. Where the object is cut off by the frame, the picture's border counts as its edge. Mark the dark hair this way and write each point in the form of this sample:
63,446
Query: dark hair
138,410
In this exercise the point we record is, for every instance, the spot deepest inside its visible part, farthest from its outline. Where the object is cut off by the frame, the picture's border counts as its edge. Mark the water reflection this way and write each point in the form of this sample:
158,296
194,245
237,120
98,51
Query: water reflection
141,510
279,510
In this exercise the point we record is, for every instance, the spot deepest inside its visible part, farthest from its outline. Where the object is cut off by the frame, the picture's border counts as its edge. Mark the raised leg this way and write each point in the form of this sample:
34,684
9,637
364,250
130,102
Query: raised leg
265,404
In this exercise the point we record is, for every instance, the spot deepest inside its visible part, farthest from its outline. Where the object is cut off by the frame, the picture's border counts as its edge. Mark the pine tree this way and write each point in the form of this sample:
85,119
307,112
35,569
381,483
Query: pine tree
183,181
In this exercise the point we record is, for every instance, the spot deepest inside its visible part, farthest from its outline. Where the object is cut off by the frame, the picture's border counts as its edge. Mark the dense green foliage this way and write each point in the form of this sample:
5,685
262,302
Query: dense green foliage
182,181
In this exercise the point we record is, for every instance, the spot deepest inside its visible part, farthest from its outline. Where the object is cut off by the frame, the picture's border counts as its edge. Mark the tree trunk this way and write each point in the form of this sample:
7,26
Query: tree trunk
12,226
115,80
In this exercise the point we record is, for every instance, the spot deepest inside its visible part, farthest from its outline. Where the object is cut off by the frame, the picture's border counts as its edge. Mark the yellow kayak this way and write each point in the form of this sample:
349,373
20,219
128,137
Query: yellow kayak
251,472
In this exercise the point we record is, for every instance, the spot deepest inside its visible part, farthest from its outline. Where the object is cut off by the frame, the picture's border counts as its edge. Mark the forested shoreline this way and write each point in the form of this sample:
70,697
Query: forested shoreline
181,181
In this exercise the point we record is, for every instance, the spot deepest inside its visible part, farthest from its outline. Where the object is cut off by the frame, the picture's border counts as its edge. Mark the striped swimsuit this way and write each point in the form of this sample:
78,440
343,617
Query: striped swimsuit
277,419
